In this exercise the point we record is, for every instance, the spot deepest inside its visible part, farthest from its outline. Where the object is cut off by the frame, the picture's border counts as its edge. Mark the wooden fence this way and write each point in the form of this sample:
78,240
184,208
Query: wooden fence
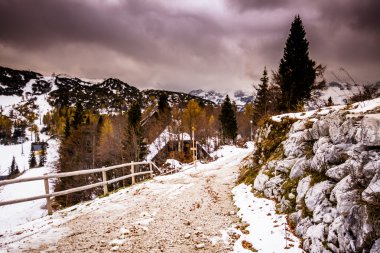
104,183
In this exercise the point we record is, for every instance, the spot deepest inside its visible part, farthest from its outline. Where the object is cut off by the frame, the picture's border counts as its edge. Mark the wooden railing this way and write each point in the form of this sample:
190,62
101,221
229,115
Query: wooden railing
104,183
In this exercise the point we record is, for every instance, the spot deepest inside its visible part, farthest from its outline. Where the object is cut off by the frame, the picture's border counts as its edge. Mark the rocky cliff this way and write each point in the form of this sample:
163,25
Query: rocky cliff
323,169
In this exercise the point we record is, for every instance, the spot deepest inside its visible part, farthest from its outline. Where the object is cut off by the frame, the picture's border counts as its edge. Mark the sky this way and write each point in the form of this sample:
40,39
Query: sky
188,44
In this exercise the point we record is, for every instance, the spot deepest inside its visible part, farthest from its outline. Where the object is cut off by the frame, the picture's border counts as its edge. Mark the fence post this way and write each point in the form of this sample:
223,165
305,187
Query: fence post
151,170
48,202
133,172
105,186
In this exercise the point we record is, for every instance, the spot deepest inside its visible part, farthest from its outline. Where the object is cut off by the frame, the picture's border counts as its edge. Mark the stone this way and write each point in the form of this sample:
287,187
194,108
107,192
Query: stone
298,169
372,193
344,195
333,248
376,247
322,209
327,155
339,172
302,187
298,126
294,145
187,236
321,144
285,165
260,180
316,234
320,129
302,227
368,133
317,193
200,246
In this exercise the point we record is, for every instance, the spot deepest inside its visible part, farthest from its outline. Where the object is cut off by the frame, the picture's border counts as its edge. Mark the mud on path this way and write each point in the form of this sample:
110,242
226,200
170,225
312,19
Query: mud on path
185,212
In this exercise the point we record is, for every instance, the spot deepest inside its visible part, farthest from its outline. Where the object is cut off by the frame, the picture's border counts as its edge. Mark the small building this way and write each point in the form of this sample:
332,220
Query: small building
38,146
181,151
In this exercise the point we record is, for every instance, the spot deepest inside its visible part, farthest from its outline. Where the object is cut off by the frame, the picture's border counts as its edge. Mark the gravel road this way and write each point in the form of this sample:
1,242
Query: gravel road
189,211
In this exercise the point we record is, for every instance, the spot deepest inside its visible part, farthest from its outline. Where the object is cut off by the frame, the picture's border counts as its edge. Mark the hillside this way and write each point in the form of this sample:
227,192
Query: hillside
110,94
322,168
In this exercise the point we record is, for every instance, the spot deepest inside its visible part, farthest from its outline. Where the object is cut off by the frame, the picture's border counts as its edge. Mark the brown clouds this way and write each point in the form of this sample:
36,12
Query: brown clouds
182,45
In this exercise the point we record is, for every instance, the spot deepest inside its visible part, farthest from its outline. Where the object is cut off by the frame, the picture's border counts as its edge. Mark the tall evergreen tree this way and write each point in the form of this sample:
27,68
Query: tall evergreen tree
13,170
260,105
227,119
163,104
78,115
42,155
67,129
133,144
297,72
32,159
134,115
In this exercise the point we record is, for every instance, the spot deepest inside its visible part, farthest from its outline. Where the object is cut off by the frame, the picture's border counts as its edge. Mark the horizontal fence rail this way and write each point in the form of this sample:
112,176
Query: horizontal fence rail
104,183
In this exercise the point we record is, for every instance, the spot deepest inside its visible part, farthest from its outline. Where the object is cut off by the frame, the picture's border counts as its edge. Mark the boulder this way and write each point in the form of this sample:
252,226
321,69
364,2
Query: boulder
372,193
302,187
260,180
339,172
368,132
294,146
317,193
324,212
376,247
299,167
332,236
342,129
327,156
272,187
320,129
302,227
344,195
359,223
298,126
285,165
316,234
321,144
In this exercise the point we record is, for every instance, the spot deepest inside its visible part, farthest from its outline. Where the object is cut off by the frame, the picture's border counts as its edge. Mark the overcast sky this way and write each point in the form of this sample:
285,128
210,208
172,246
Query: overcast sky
187,44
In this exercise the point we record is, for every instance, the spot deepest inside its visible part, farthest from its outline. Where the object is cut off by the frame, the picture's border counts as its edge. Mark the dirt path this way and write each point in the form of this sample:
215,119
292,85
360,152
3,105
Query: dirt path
184,212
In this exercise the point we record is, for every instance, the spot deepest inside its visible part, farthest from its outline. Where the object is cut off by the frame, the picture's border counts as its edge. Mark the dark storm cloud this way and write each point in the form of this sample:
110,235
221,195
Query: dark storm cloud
186,44
137,28
244,5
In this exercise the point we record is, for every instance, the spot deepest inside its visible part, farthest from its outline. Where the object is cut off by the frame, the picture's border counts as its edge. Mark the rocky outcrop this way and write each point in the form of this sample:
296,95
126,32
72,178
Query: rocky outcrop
326,175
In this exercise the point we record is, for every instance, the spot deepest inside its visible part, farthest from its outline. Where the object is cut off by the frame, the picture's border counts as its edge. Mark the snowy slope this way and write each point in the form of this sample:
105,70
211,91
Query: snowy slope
13,215
240,97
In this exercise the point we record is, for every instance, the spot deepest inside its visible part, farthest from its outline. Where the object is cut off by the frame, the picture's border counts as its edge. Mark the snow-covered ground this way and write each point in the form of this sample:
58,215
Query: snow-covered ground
196,202
21,153
358,107
13,215
268,231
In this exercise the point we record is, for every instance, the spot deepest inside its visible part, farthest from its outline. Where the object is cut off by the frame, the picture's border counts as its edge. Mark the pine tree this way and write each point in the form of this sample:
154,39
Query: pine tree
32,158
227,119
13,170
133,143
329,102
134,115
163,104
260,105
78,115
42,155
67,129
297,72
